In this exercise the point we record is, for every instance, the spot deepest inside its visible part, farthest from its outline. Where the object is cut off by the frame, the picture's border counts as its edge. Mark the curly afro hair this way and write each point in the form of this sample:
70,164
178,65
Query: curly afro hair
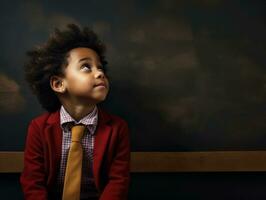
51,59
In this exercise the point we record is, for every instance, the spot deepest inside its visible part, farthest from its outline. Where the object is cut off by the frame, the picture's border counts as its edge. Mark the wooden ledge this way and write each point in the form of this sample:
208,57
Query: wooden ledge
209,161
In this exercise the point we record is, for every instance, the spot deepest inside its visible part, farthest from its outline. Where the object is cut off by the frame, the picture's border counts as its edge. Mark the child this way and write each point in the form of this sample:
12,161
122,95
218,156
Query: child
68,76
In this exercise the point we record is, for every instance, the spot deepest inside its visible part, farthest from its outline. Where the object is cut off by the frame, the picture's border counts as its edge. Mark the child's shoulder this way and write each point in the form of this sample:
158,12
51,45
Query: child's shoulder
43,118
113,117
119,125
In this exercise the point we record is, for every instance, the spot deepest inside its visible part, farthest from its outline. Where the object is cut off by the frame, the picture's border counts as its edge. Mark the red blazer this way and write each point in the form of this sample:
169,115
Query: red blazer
111,166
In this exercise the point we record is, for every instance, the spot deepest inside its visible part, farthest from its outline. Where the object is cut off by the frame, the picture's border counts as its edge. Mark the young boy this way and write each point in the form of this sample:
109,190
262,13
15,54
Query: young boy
68,75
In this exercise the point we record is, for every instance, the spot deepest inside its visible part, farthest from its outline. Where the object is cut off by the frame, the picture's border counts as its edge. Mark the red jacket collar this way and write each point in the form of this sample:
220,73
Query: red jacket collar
104,117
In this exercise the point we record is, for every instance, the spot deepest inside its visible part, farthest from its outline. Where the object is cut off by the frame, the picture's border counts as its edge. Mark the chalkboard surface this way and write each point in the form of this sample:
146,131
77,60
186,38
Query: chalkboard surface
186,75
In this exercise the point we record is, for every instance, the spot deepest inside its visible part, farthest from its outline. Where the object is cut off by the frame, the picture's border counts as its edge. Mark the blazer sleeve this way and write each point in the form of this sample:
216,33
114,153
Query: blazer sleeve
33,176
119,174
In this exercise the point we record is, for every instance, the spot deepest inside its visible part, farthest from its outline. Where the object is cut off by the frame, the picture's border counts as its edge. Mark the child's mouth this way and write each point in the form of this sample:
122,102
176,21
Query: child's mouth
100,85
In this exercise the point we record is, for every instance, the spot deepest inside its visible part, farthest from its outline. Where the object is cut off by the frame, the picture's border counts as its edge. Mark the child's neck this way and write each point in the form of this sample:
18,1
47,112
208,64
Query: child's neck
77,112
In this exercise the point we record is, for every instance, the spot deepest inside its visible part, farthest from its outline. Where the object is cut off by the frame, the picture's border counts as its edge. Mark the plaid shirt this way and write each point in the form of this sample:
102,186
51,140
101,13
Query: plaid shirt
88,188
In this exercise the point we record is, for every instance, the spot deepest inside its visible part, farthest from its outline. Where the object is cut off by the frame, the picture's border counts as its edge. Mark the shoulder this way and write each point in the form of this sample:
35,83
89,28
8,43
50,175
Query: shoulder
45,118
119,126
110,117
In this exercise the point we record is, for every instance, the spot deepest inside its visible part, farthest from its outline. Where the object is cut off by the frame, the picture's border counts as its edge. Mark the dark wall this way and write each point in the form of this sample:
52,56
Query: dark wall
186,75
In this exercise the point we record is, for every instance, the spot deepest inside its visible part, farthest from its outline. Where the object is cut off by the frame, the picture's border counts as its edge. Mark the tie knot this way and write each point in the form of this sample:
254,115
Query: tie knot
77,132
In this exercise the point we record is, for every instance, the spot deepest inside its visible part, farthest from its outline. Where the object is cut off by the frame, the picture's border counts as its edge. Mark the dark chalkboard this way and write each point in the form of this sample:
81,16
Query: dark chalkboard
186,75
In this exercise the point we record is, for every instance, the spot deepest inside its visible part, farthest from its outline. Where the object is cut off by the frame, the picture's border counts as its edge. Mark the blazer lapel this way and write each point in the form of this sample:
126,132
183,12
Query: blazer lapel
102,135
53,134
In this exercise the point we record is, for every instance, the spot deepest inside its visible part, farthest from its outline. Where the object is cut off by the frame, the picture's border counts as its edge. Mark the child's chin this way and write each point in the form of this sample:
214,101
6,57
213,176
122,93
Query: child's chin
100,99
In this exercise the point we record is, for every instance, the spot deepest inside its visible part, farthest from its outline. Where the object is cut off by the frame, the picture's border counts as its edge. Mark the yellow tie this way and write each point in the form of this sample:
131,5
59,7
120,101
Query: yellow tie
74,165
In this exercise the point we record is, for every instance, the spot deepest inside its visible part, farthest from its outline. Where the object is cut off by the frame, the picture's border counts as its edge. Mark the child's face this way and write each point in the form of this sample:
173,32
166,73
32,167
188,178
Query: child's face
84,78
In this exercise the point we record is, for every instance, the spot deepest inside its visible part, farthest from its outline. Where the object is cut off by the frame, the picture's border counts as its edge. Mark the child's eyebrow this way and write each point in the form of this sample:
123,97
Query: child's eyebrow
86,58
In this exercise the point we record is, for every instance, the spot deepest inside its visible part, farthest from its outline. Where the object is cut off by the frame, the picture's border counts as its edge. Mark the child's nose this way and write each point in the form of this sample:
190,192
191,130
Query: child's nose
99,73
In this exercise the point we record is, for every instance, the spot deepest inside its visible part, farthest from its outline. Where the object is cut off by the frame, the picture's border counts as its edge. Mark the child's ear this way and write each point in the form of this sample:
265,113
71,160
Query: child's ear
57,84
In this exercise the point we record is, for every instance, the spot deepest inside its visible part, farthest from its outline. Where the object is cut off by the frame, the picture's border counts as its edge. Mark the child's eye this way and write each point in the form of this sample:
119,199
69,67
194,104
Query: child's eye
85,67
100,68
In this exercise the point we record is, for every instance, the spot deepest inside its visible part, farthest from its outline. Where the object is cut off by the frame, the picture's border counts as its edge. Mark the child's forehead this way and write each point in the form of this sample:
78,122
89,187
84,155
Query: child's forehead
83,53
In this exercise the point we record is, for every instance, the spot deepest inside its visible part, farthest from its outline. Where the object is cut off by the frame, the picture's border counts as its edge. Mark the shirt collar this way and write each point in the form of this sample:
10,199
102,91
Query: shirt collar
90,120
